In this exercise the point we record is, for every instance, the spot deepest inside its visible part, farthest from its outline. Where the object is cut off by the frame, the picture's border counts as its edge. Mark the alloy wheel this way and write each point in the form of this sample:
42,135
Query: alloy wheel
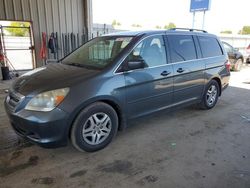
97,128
211,95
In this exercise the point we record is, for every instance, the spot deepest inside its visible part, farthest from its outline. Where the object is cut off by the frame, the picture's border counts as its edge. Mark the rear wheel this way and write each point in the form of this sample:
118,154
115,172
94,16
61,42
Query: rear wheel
210,95
238,65
94,128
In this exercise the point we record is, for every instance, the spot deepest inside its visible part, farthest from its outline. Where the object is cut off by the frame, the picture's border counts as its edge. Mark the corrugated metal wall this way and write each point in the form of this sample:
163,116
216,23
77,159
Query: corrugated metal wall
62,16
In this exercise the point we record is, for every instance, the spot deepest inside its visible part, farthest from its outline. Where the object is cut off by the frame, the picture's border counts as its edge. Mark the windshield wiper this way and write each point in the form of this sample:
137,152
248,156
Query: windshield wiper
82,65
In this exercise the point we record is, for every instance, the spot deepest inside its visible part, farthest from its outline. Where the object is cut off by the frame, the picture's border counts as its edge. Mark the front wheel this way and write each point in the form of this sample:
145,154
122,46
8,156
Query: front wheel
210,95
94,127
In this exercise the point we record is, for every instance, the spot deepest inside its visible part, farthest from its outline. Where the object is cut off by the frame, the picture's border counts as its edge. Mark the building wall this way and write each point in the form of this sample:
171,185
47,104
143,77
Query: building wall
61,16
237,41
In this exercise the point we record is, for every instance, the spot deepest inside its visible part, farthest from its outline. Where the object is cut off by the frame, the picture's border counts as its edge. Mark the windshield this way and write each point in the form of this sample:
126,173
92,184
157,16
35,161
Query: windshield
98,52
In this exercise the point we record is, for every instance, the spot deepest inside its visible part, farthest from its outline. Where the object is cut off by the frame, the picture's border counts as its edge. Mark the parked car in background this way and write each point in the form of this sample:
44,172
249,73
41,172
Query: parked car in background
248,57
235,57
95,90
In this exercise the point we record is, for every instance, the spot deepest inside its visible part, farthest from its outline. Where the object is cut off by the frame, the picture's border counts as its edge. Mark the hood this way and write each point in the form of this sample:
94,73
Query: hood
52,76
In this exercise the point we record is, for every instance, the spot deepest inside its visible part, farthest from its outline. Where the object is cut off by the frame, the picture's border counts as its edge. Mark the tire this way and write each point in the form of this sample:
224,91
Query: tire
238,65
94,127
210,96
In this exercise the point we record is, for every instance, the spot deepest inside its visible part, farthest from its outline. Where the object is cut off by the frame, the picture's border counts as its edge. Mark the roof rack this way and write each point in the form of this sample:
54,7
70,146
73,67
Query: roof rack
192,30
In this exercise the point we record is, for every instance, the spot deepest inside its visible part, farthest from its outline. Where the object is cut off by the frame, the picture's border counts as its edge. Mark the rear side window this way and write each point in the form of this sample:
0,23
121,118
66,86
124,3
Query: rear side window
210,46
182,48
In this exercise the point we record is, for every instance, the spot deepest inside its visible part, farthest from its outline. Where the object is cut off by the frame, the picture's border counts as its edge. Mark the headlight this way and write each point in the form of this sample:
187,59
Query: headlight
48,100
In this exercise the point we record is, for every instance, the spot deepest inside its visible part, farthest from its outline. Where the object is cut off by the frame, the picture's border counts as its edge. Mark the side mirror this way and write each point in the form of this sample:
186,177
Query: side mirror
236,49
136,64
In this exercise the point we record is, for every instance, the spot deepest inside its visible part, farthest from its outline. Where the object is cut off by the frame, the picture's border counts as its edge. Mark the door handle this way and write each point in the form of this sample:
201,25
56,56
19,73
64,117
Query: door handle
165,73
180,70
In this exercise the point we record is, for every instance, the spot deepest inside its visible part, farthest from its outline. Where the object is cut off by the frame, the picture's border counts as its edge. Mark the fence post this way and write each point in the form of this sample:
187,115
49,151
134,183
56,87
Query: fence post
104,28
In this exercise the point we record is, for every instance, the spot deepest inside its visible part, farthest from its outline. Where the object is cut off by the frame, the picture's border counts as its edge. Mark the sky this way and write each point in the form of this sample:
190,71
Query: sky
223,14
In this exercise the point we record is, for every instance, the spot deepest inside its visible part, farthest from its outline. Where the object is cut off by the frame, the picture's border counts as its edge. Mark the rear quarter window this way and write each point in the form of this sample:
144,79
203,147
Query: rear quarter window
210,46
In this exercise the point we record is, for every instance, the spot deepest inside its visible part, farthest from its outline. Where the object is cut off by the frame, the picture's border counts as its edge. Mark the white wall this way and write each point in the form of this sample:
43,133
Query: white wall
237,41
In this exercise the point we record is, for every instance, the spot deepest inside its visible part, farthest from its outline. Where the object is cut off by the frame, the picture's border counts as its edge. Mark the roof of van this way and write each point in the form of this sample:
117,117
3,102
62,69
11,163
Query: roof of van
150,32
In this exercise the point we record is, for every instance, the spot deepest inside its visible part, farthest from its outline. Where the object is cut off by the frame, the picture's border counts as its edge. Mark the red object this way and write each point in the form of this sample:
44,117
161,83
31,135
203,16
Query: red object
248,49
1,57
228,65
43,47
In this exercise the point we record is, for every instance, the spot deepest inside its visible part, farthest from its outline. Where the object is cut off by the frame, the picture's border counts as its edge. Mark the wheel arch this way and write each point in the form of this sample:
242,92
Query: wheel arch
239,56
105,99
218,80
117,108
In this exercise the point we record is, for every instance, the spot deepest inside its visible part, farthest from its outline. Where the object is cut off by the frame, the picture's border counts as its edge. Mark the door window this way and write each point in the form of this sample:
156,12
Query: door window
209,46
182,48
151,50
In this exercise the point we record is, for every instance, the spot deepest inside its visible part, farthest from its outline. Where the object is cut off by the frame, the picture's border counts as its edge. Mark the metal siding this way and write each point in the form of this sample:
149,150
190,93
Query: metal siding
9,9
41,15
57,23
55,14
49,17
26,10
17,4
61,16
68,14
74,16
2,12
81,19
36,28
80,13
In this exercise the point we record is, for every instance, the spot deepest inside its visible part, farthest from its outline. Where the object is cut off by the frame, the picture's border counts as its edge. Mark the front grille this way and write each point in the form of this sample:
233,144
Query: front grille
14,99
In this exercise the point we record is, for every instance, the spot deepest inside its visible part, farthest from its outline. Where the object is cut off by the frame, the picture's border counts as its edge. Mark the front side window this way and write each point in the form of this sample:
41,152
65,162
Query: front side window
209,46
182,48
151,50
98,52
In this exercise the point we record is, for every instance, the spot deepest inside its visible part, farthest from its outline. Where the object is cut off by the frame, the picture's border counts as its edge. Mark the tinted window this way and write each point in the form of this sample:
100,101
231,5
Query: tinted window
227,47
182,48
151,50
210,46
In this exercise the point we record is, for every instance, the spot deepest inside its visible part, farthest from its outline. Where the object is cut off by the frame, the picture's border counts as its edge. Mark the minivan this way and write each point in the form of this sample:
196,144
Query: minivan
93,92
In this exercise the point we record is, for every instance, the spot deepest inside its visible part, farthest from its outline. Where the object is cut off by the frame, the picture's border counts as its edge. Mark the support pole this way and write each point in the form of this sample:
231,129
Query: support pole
193,20
203,21
3,50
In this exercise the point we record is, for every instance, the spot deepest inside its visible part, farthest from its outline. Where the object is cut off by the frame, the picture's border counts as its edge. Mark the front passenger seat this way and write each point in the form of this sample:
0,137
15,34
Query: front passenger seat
152,55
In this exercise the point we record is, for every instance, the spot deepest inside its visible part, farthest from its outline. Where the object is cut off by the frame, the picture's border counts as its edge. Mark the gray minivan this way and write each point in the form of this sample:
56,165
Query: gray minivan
90,94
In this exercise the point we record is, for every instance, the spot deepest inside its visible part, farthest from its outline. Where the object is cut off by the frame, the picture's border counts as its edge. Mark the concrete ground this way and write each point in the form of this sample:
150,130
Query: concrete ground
184,148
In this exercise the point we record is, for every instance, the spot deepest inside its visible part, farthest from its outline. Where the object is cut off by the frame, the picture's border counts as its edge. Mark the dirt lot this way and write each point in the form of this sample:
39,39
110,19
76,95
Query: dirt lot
184,148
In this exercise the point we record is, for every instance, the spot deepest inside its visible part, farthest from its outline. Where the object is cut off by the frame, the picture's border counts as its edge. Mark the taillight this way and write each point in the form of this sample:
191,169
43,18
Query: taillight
228,65
248,49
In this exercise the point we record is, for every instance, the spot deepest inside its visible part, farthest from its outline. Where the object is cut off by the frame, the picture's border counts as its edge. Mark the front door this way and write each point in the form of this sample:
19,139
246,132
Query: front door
151,88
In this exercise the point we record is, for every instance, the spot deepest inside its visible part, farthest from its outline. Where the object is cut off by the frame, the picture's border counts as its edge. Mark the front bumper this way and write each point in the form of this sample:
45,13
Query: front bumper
47,129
